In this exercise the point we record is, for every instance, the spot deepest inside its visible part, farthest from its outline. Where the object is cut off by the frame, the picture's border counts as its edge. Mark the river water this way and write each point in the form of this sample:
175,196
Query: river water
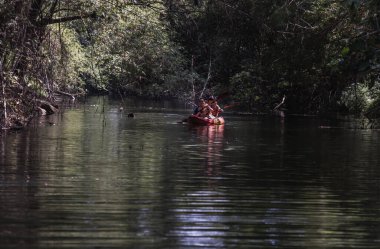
91,177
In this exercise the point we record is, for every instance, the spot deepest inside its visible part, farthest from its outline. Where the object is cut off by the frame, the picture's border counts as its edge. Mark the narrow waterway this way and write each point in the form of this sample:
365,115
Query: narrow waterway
93,178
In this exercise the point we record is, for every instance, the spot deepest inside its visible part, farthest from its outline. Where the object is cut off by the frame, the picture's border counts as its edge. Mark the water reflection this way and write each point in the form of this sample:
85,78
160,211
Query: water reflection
198,218
97,179
212,138
199,221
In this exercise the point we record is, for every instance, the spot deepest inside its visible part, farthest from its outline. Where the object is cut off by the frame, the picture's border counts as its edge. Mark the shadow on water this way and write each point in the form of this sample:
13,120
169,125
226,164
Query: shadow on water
94,178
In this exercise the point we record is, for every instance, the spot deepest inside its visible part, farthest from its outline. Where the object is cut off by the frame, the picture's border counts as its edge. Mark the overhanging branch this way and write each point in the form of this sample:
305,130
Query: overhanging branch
48,21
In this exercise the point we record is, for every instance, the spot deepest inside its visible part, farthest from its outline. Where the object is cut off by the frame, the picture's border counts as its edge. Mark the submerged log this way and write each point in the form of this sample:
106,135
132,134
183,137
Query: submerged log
47,106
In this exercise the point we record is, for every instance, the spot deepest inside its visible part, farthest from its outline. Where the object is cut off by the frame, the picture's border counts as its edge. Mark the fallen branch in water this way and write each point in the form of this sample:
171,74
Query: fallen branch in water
66,94
47,106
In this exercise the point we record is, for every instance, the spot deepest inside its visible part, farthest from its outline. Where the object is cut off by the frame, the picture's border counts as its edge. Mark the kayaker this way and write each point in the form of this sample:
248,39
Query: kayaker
204,110
216,110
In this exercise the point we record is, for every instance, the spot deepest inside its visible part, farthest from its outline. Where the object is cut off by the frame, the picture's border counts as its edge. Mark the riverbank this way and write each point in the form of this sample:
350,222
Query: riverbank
20,107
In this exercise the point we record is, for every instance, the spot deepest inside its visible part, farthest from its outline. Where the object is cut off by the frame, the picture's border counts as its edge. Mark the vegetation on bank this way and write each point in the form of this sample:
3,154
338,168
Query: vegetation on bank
321,55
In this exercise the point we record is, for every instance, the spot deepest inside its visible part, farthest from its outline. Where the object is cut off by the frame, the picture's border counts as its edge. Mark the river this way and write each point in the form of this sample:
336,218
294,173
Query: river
91,177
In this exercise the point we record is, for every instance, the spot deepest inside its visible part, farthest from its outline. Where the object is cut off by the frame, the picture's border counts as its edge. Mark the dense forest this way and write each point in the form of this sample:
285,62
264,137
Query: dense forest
317,56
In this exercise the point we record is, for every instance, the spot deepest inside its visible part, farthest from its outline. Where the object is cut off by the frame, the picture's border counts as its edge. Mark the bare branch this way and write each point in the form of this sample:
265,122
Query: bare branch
48,21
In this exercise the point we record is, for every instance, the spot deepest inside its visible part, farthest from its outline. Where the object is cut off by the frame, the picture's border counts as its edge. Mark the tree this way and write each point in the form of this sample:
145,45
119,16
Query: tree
263,50
42,50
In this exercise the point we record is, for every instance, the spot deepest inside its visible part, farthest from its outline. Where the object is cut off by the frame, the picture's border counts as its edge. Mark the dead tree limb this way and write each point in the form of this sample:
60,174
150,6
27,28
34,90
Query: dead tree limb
208,78
66,94
280,104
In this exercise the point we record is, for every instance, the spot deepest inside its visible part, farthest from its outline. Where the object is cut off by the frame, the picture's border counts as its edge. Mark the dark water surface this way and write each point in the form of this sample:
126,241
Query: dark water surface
98,179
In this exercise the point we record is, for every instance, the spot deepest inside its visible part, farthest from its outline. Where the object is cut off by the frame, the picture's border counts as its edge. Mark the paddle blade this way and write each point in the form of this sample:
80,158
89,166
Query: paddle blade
231,105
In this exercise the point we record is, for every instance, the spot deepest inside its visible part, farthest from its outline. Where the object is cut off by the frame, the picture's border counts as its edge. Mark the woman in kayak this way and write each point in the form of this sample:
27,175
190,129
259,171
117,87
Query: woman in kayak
216,110
204,110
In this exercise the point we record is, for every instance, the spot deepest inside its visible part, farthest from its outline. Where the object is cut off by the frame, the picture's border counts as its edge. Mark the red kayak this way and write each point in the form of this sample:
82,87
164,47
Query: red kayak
205,121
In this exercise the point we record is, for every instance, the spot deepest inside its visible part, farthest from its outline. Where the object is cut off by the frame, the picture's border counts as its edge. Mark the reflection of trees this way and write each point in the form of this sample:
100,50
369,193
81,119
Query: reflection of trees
111,173
92,182
131,182
291,193
329,177
18,176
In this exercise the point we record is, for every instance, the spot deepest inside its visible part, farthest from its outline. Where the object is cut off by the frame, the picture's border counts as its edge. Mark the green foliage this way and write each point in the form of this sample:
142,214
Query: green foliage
356,98
243,88
134,54
67,58
310,51
373,110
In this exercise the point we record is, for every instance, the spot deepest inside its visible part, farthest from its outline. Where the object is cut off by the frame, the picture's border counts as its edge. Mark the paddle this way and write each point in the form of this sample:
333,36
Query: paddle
231,105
